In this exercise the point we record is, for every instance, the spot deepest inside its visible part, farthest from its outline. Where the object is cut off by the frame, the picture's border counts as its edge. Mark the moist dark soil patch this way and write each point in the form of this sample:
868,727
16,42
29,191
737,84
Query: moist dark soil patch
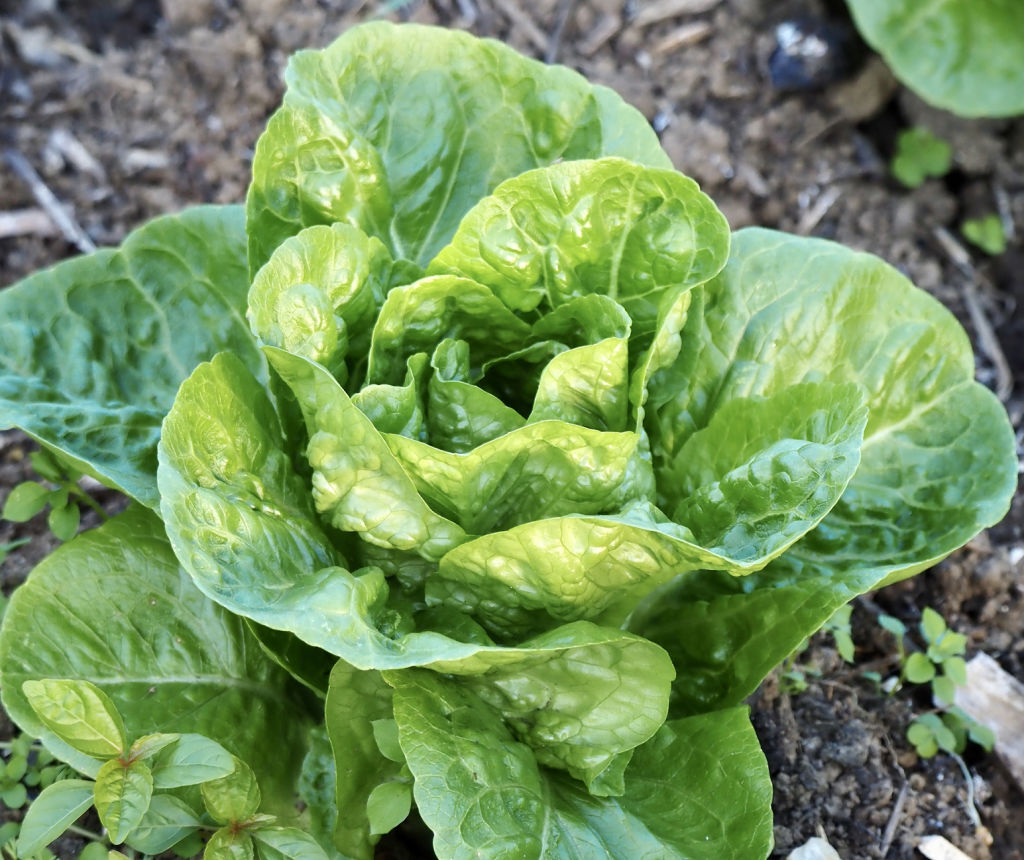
132,109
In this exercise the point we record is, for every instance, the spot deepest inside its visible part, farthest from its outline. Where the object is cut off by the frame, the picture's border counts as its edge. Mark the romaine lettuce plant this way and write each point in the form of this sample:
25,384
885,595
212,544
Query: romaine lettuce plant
522,475
961,55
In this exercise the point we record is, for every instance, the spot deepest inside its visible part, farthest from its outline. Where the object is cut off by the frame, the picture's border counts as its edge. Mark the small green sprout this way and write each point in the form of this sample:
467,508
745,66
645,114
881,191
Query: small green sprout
920,155
986,233
940,664
30,498
839,626
5,548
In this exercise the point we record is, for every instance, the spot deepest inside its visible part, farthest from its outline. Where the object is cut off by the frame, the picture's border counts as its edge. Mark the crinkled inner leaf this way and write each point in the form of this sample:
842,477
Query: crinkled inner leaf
609,226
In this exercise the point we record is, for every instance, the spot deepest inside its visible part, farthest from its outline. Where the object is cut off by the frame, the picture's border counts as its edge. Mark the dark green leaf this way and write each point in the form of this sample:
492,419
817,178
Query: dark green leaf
94,385
480,790
356,703
168,657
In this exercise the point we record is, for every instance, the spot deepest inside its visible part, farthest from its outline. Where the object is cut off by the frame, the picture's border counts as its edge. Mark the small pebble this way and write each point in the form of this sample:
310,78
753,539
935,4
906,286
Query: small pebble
811,53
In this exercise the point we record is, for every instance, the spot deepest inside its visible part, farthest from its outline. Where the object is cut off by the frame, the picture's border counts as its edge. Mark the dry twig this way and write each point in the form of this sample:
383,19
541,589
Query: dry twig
60,216
812,217
518,18
25,222
598,37
894,819
660,10
684,36
565,10
987,339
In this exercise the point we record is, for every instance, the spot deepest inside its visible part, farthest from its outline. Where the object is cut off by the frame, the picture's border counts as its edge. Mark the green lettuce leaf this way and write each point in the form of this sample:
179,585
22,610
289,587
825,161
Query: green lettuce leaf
934,460
228,491
935,463
418,317
320,293
461,416
609,226
764,473
961,55
545,469
587,386
357,482
401,130
483,794
95,347
202,673
355,700
398,409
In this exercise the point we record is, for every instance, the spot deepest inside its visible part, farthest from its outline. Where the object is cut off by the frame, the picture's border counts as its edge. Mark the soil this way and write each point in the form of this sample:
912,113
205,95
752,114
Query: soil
132,108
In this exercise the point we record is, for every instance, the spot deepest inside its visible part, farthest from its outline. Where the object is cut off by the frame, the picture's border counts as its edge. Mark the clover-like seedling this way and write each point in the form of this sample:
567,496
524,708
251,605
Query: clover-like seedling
920,155
941,664
986,233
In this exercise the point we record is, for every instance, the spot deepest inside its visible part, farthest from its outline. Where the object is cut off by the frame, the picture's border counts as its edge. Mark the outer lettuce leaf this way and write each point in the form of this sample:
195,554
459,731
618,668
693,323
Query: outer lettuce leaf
95,347
483,794
767,469
132,623
400,130
228,492
609,227
356,698
934,462
961,55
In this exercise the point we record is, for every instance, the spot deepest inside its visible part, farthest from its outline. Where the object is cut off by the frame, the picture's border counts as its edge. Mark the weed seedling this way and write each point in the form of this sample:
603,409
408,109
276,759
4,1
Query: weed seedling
31,497
986,233
920,155
940,665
